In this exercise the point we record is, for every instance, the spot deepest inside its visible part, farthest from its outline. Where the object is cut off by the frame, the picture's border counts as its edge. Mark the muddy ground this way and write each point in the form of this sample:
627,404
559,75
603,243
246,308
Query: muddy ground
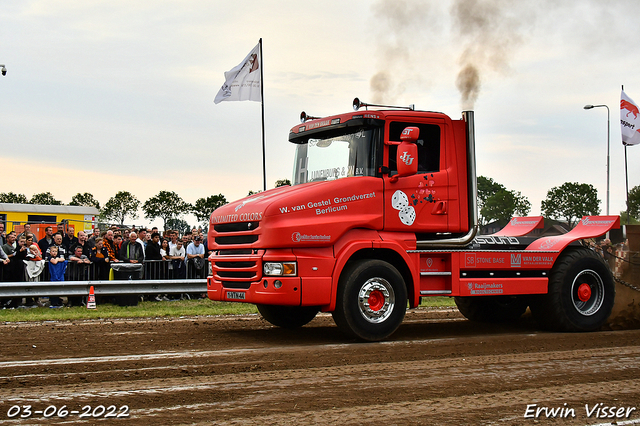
438,369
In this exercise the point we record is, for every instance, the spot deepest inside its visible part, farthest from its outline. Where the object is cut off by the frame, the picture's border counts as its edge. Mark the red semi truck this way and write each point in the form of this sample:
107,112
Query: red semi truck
381,212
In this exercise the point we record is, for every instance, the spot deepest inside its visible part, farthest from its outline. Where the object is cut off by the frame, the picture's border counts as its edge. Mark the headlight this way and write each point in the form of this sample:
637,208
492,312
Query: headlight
280,269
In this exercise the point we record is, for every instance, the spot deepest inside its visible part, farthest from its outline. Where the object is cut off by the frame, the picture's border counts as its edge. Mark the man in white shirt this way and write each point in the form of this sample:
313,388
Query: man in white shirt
177,255
195,258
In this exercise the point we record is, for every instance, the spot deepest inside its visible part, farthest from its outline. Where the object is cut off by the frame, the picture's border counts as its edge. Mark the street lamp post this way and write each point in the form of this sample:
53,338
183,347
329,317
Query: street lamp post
608,145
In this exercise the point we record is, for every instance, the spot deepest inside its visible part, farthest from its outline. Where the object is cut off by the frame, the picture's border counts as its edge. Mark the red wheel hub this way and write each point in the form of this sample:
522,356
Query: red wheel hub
584,292
376,300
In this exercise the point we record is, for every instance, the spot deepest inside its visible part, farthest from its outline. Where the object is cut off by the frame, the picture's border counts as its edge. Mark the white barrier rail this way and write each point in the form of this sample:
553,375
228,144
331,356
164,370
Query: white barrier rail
113,287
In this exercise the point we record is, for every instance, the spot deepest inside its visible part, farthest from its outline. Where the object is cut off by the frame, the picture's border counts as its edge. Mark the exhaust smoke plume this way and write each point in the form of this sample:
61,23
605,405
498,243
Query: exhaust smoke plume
489,30
486,32
468,83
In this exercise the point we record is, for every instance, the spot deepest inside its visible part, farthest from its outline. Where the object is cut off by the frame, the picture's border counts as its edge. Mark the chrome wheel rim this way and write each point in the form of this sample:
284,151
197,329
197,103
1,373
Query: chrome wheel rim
376,300
587,306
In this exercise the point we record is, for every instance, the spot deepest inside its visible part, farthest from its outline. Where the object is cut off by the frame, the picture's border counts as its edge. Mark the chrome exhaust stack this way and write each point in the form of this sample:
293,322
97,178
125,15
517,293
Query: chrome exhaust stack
472,187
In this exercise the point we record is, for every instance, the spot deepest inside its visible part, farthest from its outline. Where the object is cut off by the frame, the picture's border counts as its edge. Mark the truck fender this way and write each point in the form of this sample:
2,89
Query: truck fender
356,241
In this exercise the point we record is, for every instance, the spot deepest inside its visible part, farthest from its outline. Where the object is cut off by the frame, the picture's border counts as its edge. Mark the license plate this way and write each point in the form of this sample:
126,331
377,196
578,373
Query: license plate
235,295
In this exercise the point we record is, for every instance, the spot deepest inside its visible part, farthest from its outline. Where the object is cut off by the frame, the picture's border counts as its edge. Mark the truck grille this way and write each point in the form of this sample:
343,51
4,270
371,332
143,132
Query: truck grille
234,234
237,268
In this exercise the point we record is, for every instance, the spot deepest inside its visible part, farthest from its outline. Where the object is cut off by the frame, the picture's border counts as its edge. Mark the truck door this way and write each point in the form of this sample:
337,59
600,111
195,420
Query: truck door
417,203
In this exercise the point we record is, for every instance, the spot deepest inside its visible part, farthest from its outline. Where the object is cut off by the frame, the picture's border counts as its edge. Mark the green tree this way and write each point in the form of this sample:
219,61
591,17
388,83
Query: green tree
166,205
179,225
120,206
205,206
632,220
495,202
282,182
634,202
10,197
503,205
570,202
85,199
45,198
486,188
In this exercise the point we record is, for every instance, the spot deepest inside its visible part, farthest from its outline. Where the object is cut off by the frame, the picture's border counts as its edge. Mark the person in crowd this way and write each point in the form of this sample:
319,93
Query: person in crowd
69,240
82,242
173,235
142,239
57,242
154,269
3,234
177,255
27,230
77,256
4,259
4,266
92,240
14,240
9,270
30,240
195,258
101,257
164,248
152,251
47,240
78,265
117,239
34,262
111,246
21,255
132,251
57,268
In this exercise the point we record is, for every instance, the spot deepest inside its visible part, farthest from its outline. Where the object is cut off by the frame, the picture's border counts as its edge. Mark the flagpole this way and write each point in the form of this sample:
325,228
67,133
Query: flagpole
264,161
626,173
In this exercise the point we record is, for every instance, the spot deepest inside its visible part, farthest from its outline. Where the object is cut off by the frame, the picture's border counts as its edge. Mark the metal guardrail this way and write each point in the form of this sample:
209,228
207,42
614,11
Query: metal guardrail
113,287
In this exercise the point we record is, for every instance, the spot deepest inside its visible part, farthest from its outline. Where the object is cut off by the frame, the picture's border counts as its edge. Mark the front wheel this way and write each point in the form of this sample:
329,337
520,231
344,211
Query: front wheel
581,293
371,300
288,316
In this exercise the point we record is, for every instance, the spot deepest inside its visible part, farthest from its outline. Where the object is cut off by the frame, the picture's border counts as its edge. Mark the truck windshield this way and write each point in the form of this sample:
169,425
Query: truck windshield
335,157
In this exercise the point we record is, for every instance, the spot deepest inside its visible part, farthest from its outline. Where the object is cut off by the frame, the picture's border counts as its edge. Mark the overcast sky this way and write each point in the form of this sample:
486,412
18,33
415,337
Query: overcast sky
104,96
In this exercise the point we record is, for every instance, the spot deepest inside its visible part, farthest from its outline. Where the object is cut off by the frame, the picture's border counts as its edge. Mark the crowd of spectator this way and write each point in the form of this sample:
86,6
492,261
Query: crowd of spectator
60,255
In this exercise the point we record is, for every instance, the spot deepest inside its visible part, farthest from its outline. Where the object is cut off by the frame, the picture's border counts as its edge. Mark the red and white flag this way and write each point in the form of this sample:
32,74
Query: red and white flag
243,82
629,120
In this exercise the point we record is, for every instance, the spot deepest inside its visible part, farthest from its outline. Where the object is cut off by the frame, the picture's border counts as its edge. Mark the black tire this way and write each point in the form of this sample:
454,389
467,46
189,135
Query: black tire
288,316
492,308
581,293
371,300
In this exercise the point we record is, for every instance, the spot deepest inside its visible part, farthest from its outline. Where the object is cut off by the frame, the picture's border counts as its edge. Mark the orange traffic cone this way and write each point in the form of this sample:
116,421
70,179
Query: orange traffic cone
91,300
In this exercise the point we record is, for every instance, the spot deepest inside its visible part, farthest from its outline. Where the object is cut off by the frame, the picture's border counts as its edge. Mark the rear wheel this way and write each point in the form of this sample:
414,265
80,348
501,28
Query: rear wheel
371,300
492,308
581,293
288,316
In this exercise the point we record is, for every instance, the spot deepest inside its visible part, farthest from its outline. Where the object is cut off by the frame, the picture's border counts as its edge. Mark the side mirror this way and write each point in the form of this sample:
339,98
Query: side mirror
407,155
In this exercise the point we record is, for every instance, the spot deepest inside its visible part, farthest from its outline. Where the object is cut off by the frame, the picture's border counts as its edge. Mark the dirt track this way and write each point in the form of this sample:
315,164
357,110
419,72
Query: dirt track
437,369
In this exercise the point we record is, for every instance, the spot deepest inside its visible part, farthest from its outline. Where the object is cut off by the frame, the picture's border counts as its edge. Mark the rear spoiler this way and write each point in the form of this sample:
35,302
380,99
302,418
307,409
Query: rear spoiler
519,226
588,227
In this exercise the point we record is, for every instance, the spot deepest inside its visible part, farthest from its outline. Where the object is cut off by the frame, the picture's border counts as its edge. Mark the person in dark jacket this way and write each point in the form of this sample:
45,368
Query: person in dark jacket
132,251
99,256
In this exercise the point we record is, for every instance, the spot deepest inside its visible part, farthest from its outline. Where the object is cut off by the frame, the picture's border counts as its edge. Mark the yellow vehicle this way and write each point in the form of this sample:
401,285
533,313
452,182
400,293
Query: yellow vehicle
76,218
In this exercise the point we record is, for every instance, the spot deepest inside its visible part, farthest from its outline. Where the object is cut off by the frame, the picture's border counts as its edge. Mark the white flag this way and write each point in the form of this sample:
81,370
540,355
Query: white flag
243,82
629,120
